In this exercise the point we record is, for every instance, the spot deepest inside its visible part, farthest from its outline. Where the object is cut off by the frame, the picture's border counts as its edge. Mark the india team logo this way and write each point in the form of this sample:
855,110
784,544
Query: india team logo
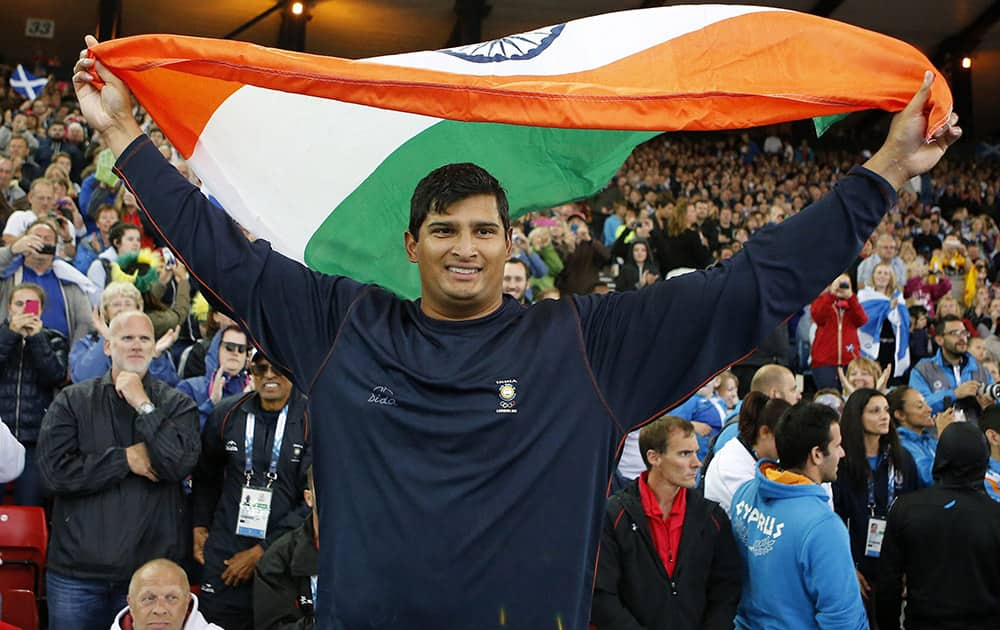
507,392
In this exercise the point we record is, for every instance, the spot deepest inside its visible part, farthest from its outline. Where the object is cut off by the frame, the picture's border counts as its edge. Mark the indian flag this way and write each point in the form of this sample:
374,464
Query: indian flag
319,155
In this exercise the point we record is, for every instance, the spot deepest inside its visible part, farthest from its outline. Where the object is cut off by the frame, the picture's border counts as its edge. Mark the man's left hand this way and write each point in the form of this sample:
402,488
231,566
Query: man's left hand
240,567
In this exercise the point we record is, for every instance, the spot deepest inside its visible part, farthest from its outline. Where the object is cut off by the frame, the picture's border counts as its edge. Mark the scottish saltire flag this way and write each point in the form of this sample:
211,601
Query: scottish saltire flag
26,84
320,155
878,307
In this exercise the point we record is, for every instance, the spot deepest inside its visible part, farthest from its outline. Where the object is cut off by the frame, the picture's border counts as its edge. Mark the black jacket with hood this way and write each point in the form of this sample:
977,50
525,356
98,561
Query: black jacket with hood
945,541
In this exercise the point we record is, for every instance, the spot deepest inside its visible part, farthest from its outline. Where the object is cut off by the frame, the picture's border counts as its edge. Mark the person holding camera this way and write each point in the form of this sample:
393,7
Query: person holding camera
837,314
42,198
32,365
952,375
32,258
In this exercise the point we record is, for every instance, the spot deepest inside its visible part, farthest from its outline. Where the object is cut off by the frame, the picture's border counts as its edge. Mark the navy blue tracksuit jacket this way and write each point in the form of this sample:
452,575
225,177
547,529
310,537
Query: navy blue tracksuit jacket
462,466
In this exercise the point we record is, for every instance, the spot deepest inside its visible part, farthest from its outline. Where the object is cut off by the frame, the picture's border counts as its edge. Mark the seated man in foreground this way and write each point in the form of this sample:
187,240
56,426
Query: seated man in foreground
160,598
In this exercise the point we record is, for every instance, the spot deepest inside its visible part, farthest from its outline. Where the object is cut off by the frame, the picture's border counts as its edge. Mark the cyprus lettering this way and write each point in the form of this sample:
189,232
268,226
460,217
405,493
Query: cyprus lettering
767,525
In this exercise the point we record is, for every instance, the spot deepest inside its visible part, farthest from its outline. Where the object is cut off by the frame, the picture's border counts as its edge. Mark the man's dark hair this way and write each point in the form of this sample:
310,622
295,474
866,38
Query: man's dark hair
518,261
656,434
990,419
939,329
917,311
450,184
800,429
117,231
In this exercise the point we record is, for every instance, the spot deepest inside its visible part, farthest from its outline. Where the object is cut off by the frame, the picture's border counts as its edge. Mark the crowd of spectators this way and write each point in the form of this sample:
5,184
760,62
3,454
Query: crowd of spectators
214,480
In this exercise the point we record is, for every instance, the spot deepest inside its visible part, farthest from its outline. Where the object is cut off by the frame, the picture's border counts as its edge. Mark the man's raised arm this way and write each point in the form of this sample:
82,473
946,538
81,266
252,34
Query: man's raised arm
651,349
269,293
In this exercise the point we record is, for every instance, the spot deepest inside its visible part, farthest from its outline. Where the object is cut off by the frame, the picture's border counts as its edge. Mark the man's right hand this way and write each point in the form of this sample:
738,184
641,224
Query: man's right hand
966,389
139,462
108,109
26,324
27,242
200,538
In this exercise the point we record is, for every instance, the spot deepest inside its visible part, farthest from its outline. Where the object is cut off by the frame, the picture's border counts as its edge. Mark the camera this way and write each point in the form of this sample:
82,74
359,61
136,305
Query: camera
993,391
844,285
47,249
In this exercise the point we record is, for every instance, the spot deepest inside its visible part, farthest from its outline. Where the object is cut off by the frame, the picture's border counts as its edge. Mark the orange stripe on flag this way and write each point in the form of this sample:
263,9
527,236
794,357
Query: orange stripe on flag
180,103
745,71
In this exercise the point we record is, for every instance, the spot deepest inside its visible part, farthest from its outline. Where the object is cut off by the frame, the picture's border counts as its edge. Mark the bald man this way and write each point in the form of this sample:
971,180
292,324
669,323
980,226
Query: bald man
776,381
160,597
112,452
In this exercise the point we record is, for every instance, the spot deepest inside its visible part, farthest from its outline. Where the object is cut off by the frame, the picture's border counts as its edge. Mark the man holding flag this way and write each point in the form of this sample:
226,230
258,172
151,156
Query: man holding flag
463,473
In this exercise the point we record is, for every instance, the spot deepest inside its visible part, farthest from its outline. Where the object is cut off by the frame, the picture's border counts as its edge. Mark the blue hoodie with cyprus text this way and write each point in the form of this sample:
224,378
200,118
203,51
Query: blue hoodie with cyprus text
797,567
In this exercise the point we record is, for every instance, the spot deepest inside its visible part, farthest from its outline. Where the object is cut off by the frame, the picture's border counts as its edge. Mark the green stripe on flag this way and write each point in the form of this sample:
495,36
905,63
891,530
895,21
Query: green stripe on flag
823,123
539,167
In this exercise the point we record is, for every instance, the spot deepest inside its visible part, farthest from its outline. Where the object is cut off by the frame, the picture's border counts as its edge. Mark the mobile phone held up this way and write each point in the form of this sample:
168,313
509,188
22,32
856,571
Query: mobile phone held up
32,307
169,261
49,250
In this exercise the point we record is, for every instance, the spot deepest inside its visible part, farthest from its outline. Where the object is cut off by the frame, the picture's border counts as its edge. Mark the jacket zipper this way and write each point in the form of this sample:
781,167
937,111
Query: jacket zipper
17,403
840,335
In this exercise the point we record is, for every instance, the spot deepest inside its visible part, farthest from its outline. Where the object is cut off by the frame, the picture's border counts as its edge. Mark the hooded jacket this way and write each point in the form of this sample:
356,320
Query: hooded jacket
945,541
195,620
30,370
837,322
797,568
631,274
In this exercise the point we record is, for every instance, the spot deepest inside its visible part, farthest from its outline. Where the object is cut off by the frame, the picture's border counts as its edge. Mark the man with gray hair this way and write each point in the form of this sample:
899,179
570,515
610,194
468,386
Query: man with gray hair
113,452
885,252
159,596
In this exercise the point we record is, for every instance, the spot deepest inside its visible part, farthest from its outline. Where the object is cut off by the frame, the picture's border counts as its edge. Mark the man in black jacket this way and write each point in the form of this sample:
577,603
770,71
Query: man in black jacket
668,558
32,364
230,532
284,588
943,543
113,451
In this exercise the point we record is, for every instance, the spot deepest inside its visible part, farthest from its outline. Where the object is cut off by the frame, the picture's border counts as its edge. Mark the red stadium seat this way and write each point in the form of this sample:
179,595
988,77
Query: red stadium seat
18,608
24,539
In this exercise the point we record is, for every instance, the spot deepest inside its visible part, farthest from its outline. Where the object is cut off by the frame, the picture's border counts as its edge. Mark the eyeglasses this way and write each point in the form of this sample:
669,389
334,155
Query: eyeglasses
261,369
241,348
958,334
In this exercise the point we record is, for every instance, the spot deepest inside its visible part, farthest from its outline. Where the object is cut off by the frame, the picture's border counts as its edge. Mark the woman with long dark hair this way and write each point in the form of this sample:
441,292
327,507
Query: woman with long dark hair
874,471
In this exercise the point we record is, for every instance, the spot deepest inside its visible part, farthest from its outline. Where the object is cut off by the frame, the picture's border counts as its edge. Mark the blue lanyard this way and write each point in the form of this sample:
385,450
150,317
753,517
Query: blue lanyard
279,436
890,489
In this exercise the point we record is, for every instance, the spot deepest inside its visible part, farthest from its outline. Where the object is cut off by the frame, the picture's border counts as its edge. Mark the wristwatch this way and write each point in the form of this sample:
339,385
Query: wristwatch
146,407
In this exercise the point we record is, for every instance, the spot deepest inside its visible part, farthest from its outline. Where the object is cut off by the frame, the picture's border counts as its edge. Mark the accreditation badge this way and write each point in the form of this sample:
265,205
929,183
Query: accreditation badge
255,508
873,541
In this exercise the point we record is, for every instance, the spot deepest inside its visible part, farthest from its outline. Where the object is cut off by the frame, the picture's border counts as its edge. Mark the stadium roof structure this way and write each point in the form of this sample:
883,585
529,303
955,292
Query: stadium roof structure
945,30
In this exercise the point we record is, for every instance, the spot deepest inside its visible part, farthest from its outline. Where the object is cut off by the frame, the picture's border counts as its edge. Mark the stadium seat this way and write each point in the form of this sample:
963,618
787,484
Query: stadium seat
23,544
18,608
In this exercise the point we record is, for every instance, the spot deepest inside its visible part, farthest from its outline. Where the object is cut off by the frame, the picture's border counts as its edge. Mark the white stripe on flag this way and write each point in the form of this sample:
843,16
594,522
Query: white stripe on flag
274,166
583,44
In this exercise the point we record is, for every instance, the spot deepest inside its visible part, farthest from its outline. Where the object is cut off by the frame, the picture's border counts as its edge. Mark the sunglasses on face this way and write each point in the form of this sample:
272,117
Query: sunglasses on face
261,369
240,348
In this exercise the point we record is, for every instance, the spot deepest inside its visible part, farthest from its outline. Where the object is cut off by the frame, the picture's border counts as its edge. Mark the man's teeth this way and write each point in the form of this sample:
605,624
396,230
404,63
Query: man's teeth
462,270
